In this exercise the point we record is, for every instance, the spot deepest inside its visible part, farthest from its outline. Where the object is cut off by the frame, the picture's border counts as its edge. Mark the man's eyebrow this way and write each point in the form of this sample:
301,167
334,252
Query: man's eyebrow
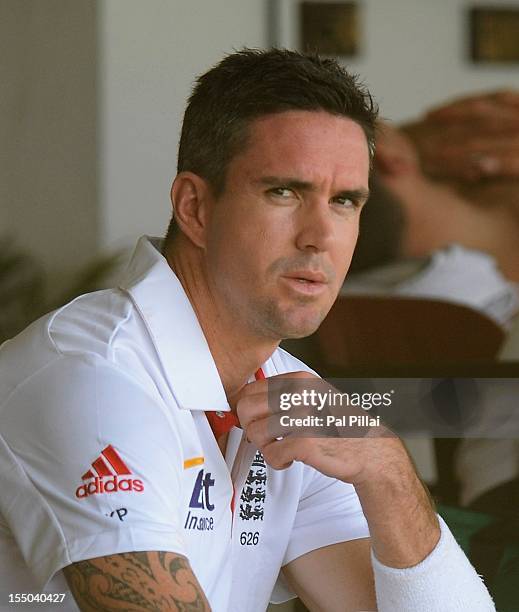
359,194
286,181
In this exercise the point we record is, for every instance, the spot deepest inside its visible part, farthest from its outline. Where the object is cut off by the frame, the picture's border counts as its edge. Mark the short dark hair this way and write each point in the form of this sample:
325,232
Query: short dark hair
252,83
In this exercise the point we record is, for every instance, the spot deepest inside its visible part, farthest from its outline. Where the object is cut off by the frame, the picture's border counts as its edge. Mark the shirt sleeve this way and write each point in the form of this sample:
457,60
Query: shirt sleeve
90,465
328,512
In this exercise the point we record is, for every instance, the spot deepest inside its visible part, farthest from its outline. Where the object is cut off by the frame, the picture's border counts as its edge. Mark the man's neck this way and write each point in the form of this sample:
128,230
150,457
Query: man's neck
236,351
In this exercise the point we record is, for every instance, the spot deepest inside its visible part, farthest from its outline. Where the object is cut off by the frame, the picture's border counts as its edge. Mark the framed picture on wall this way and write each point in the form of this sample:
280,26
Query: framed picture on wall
494,34
329,28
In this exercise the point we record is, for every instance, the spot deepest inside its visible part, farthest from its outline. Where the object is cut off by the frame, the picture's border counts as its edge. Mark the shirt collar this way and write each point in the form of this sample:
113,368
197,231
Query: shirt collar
222,422
174,328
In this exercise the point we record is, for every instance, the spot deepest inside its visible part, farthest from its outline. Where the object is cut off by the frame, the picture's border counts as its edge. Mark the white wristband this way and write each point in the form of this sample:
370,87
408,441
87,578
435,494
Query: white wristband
444,581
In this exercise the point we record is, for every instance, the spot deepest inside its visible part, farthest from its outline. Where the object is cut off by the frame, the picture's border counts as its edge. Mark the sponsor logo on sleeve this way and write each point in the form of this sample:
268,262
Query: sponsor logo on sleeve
108,474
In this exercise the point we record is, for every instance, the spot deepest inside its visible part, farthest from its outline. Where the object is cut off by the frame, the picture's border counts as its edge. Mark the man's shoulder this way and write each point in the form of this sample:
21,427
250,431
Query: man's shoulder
89,328
91,317
90,323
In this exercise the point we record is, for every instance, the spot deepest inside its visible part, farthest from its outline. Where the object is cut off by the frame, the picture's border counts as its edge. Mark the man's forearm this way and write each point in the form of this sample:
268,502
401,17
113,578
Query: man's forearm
417,563
402,522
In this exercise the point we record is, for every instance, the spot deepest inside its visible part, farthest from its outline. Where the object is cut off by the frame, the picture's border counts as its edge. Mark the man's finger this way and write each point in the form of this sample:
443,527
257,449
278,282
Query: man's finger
252,407
280,454
473,165
476,106
263,431
251,402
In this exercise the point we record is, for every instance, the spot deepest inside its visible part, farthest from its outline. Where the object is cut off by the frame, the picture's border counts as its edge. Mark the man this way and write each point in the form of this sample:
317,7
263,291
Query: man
466,148
437,241
110,469
472,144
446,190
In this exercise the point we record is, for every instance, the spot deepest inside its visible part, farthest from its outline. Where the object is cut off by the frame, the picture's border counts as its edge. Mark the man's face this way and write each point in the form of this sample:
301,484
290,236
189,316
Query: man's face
281,236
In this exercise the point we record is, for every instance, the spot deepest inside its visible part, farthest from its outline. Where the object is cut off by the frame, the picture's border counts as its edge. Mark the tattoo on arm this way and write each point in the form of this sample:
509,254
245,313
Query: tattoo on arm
136,581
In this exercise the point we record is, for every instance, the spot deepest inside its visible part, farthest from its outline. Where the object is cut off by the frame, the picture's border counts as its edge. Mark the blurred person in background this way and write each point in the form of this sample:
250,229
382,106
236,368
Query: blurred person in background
440,237
472,145
443,222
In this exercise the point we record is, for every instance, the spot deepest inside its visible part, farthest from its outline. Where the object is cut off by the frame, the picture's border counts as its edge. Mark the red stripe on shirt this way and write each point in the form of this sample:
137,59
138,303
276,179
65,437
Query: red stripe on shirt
101,468
117,463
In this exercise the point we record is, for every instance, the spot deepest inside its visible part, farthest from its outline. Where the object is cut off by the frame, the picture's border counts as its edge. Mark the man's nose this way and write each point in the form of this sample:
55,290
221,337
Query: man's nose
315,226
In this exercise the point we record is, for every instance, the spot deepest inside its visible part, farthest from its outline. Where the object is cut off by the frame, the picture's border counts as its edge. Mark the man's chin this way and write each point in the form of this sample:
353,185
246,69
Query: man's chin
295,334
301,329
292,323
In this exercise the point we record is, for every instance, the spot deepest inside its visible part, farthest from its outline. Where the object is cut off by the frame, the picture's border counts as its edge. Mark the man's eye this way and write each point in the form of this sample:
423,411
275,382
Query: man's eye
346,202
283,192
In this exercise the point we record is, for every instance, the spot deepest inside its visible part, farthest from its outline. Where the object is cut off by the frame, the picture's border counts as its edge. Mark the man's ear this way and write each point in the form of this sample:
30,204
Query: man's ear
191,199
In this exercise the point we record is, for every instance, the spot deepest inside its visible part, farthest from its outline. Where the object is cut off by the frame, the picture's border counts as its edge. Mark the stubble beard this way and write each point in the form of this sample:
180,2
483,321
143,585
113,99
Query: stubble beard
270,320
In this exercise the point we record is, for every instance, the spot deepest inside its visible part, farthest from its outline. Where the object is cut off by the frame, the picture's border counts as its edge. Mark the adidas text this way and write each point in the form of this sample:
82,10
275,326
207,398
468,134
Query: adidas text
109,485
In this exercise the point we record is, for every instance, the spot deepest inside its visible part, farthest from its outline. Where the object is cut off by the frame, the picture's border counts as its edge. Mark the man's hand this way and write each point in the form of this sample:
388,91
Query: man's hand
352,460
403,525
136,581
471,138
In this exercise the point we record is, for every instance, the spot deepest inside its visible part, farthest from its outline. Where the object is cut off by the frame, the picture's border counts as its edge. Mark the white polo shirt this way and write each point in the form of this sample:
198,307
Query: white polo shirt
105,448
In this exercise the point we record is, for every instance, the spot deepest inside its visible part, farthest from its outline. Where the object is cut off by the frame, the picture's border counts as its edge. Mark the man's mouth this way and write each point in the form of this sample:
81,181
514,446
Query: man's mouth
307,276
306,282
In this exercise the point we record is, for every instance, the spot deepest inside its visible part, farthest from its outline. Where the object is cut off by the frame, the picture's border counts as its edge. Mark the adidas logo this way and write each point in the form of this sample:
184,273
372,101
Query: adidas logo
105,476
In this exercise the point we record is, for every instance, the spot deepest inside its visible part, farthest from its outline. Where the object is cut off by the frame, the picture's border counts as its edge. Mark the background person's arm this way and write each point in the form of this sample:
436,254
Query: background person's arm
136,581
470,138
